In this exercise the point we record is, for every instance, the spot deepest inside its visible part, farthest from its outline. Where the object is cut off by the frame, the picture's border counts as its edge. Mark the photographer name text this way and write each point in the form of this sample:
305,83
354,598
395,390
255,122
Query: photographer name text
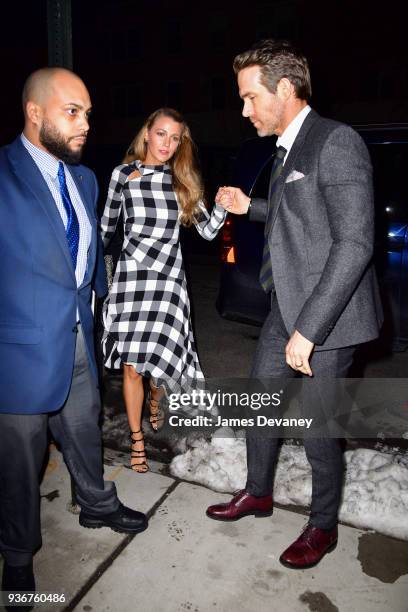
176,420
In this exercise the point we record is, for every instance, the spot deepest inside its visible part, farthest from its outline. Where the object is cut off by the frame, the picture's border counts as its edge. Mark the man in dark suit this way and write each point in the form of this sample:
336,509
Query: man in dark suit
51,260
319,226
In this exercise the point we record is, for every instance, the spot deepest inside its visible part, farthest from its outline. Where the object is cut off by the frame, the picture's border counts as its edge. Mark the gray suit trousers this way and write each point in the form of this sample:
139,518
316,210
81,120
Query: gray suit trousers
323,454
23,446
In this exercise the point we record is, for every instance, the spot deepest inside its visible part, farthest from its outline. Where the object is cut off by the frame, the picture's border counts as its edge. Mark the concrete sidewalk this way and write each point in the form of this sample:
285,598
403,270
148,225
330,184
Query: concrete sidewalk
187,562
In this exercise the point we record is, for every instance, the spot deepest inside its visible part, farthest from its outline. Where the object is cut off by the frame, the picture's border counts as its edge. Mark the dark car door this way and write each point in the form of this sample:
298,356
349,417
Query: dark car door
241,296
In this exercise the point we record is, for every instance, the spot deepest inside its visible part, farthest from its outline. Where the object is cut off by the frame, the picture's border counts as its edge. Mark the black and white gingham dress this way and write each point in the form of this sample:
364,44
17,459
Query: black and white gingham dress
147,312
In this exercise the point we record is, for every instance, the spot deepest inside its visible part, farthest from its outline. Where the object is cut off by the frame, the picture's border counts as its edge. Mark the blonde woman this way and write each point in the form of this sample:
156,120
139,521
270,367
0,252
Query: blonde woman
147,313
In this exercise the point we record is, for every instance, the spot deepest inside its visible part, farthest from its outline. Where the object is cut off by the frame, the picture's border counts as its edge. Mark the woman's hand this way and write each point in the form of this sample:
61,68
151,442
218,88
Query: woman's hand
233,200
224,198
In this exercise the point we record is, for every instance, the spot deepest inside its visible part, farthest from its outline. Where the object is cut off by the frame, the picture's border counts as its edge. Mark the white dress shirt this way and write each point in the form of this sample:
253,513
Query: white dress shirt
289,135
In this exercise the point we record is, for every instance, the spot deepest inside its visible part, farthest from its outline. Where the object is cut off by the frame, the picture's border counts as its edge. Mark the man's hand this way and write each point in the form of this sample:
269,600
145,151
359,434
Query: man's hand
298,351
233,200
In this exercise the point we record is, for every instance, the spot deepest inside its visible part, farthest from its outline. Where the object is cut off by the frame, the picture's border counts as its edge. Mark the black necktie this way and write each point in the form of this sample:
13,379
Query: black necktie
265,275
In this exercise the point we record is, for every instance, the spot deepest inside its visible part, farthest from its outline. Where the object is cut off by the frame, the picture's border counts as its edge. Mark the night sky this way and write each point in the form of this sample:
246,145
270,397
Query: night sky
136,56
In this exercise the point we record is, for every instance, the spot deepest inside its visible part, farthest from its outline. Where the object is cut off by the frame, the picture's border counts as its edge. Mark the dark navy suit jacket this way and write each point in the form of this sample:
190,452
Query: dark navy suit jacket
39,297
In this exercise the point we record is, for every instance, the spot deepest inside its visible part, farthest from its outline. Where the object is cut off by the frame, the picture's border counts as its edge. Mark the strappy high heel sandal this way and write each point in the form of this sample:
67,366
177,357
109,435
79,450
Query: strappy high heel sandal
138,455
156,413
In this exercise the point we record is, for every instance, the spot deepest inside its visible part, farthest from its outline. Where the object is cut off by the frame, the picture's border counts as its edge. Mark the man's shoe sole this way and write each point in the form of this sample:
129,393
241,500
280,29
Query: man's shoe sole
94,523
301,567
255,513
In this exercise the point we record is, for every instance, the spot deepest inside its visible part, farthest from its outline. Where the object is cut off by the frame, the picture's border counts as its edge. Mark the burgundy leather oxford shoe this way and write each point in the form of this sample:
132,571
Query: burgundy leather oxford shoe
242,504
309,548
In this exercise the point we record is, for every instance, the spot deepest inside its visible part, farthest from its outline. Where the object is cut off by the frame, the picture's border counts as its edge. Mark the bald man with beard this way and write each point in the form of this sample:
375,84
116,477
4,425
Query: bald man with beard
51,261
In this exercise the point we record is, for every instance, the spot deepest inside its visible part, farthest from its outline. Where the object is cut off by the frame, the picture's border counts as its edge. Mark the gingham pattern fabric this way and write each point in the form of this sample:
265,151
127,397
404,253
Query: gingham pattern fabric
147,313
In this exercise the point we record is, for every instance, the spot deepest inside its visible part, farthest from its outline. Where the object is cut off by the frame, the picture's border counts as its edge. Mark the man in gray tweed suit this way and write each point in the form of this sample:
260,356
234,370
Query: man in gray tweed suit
319,230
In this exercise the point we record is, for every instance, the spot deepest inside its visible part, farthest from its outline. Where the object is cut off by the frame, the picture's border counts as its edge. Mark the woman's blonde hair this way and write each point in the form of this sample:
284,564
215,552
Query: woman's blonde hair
187,181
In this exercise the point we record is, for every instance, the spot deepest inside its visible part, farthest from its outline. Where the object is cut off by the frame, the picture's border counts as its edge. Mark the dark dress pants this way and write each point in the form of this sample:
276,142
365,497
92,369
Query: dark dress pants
23,445
324,454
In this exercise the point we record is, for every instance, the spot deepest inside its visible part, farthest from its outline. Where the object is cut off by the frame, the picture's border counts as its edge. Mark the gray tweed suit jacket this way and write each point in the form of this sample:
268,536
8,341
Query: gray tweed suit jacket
322,235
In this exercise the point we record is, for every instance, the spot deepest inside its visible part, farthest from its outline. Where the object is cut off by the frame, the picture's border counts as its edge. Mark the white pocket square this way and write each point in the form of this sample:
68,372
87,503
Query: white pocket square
294,176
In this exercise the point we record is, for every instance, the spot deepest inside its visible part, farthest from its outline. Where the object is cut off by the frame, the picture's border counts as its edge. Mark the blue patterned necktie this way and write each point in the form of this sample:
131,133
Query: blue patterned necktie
72,229
265,275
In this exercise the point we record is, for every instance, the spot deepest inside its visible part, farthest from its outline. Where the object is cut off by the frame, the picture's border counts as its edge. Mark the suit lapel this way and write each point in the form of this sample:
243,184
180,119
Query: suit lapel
28,173
276,199
79,183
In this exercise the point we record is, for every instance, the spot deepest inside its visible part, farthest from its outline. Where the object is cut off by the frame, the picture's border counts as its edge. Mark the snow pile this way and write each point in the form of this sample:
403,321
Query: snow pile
375,495
293,477
376,492
219,464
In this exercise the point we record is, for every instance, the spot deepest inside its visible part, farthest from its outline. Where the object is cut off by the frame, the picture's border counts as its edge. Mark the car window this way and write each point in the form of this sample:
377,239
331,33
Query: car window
390,166
261,186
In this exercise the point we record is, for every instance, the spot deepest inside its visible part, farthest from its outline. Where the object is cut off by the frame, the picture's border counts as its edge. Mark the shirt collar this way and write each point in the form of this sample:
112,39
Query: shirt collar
289,135
44,160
